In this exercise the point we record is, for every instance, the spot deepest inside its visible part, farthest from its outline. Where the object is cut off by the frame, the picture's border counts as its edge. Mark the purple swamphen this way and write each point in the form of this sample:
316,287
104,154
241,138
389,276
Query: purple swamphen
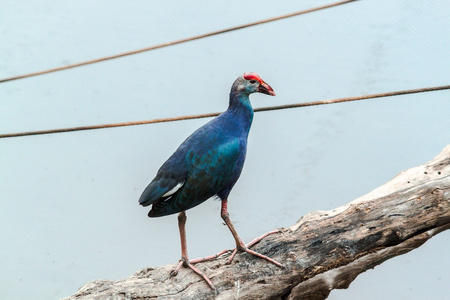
208,164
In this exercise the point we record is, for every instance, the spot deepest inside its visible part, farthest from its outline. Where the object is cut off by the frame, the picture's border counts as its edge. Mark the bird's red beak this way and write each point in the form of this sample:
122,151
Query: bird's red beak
266,89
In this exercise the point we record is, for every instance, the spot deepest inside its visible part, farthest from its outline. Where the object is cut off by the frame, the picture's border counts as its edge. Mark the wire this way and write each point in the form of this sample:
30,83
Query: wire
304,104
175,42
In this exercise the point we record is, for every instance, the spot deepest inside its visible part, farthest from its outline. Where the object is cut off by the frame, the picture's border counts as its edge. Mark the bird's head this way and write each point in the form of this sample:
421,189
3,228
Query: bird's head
251,82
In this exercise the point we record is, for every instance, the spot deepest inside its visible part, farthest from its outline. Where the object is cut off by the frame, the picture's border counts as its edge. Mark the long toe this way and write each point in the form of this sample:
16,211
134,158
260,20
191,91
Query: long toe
197,271
211,285
258,239
255,241
175,272
265,257
203,259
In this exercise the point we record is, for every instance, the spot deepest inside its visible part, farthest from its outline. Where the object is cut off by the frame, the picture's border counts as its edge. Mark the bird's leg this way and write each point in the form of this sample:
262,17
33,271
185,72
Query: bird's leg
240,246
184,261
182,227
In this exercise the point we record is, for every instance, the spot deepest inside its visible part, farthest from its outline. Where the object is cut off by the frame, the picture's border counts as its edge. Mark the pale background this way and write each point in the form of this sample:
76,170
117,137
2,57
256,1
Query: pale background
69,211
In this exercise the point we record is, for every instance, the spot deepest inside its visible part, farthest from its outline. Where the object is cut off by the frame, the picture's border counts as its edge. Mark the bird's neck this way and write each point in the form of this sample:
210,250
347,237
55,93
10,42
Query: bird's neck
241,109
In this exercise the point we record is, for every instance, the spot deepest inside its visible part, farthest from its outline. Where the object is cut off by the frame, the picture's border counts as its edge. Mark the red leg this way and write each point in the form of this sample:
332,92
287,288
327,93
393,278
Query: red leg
240,246
184,255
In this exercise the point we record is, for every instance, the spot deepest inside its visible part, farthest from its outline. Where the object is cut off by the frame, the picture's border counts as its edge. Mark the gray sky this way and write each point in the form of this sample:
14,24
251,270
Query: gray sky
70,211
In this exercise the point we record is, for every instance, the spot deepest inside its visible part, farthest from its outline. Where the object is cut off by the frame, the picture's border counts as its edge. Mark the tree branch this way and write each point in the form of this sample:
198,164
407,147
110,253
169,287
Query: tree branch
324,250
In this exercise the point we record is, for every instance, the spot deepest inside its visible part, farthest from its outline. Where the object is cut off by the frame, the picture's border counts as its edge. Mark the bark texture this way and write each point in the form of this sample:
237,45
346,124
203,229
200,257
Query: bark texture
324,250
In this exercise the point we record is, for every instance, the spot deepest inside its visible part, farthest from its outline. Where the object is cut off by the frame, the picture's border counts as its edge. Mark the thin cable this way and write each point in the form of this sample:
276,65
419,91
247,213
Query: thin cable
348,99
208,115
175,42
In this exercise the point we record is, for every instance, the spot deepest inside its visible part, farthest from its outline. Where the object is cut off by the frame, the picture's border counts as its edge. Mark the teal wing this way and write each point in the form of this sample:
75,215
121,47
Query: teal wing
208,175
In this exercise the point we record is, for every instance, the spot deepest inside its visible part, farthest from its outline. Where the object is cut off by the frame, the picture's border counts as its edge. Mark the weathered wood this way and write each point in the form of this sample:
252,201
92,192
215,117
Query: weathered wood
324,250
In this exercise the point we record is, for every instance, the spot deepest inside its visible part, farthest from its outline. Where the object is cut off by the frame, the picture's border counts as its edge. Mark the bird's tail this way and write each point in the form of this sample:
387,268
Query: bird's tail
163,208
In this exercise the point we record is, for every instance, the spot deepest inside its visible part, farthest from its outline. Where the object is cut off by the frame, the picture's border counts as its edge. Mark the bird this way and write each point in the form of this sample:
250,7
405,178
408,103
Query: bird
207,165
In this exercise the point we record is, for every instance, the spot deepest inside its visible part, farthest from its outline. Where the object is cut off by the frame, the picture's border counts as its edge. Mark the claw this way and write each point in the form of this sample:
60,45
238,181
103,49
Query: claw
175,272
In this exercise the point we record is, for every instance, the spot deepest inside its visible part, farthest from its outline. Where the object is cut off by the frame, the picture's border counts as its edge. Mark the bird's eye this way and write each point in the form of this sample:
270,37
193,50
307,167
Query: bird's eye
252,81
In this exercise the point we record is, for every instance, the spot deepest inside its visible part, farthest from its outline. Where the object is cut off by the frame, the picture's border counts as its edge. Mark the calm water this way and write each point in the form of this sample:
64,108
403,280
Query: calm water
69,201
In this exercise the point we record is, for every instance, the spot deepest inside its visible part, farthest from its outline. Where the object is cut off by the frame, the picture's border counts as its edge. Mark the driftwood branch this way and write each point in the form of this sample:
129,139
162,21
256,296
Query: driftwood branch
324,250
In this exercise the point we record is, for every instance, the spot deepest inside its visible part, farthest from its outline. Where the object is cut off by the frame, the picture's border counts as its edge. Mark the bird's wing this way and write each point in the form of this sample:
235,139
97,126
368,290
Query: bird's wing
208,174
161,187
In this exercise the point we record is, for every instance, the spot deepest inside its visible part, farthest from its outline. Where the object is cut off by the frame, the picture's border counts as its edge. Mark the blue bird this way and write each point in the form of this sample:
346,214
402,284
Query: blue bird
208,164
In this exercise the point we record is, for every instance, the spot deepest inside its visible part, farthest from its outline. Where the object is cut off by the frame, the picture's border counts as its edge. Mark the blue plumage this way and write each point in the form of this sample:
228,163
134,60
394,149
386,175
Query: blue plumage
207,164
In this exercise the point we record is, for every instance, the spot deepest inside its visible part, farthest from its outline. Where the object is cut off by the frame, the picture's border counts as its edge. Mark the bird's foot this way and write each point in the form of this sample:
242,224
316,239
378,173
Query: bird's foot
245,248
188,264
